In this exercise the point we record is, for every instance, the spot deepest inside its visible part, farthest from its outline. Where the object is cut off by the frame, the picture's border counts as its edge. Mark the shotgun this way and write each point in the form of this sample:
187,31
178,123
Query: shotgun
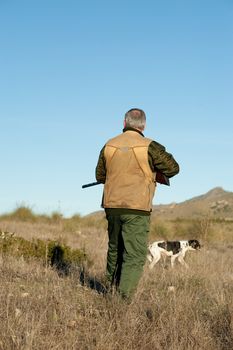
160,178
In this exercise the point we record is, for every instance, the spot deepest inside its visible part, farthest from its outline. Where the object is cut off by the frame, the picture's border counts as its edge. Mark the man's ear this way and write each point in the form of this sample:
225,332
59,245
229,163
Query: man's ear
124,123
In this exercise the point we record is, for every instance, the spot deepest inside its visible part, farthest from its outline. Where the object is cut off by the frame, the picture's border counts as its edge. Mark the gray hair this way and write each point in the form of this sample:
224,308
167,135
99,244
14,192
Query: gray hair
135,118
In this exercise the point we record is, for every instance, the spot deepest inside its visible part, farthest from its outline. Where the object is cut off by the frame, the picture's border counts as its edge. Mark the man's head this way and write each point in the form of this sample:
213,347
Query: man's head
135,118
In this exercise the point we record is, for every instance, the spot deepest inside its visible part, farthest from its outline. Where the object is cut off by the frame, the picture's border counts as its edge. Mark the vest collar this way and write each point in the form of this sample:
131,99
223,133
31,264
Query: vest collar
128,128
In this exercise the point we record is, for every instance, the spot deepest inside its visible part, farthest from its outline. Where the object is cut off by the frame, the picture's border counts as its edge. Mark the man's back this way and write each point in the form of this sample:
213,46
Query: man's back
130,183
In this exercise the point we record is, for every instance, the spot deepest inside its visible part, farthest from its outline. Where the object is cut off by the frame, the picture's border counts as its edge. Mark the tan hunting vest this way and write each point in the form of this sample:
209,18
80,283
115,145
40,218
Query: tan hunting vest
130,182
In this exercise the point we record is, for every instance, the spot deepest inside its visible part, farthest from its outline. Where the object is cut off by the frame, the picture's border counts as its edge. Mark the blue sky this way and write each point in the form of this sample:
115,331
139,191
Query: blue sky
69,70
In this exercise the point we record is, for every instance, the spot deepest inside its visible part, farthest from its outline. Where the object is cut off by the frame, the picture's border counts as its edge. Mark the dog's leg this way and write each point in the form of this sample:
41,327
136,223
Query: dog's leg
155,259
182,262
173,258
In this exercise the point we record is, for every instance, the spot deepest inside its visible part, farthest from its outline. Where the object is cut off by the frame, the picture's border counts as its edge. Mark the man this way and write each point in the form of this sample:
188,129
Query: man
127,165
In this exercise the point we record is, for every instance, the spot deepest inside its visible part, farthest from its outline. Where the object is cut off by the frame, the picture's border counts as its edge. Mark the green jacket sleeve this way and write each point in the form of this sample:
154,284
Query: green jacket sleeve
100,171
160,160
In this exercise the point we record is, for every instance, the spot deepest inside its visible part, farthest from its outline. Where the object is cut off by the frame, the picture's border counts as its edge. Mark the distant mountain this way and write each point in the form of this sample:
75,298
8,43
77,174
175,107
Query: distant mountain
216,203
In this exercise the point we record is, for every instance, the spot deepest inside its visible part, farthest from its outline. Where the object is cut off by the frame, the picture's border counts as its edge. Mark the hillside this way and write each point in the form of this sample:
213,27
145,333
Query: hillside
217,203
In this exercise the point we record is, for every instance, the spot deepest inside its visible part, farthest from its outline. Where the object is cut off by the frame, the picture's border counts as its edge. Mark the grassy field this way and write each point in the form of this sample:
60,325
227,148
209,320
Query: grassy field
172,309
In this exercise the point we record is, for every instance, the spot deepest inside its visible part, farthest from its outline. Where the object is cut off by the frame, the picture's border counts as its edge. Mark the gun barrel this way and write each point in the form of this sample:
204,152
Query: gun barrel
91,184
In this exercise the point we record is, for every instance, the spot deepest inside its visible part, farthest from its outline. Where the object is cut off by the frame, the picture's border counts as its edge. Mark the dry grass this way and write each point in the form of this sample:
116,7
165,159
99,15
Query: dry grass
173,309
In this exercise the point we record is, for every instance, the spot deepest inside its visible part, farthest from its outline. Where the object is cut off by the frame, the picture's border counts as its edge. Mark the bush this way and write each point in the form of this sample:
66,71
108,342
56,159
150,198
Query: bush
22,213
56,217
200,229
39,249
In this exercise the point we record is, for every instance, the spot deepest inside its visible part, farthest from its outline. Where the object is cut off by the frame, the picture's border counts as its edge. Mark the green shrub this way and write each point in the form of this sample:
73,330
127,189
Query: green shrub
22,213
39,249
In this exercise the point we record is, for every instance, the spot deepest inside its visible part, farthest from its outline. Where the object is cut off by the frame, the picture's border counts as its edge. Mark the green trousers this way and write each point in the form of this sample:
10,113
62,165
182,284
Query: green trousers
127,250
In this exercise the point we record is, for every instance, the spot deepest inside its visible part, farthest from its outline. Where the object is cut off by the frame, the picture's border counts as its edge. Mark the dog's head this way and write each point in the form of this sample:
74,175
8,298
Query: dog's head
194,244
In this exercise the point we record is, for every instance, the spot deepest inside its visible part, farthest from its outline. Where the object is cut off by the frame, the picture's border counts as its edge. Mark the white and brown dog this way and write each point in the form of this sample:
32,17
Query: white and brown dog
173,249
